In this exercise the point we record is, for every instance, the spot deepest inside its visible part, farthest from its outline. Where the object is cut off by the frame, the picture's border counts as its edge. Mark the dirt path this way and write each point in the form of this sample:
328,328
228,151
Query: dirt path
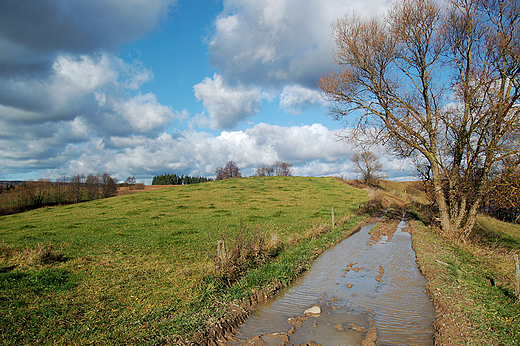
365,289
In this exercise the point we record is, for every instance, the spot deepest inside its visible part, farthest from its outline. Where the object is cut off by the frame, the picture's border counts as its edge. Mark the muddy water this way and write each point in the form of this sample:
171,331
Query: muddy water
359,282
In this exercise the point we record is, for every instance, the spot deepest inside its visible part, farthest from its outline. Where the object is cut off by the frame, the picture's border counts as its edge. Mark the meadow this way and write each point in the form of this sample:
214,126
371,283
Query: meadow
144,268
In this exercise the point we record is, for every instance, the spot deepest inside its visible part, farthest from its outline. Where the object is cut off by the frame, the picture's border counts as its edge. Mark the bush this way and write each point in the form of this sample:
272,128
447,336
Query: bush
139,186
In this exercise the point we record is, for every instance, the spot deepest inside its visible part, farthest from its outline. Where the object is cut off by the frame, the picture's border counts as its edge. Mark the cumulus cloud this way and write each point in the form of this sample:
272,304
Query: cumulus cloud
280,44
55,54
311,149
62,88
295,98
143,113
227,104
200,153
93,88
280,41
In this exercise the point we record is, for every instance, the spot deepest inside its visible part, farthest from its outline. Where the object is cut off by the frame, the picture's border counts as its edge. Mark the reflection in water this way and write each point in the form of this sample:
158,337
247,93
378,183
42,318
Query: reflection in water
357,281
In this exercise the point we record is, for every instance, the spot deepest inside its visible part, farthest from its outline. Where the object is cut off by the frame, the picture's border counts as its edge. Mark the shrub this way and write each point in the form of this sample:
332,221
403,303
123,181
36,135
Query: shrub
139,186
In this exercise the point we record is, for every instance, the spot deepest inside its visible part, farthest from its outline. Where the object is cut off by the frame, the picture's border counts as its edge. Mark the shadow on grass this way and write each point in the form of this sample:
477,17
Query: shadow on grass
490,238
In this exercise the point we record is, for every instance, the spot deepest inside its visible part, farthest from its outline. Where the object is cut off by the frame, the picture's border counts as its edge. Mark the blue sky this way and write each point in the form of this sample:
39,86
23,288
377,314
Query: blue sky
142,88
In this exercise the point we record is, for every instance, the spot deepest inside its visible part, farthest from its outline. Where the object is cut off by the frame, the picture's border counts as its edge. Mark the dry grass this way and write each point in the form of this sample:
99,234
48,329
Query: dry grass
41,254
125,190
139,186
245,252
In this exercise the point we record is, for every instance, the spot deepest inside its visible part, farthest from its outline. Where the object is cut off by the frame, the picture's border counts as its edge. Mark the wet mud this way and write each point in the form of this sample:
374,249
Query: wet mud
367,290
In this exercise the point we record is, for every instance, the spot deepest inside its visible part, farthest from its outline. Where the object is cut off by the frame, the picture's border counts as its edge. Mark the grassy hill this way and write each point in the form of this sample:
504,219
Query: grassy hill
144,268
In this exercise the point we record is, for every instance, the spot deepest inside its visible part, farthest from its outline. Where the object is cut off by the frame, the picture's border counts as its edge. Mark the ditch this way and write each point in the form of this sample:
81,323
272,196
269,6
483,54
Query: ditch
369,291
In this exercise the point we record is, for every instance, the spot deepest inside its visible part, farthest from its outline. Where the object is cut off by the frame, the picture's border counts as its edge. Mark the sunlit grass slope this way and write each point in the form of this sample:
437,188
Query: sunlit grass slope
138,269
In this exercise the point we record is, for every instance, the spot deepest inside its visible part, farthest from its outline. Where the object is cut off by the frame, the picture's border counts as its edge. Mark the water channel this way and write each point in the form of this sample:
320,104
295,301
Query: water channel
362,286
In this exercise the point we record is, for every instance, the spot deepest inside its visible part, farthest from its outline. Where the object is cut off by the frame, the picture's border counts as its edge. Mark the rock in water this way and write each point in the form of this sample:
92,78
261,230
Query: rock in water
315,310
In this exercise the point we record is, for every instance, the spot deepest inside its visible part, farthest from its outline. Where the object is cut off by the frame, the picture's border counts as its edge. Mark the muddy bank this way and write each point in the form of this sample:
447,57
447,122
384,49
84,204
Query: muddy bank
449,322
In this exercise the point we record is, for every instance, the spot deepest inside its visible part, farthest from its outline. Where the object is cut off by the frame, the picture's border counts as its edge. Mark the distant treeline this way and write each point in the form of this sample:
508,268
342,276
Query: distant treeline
36,194
174,179
7,184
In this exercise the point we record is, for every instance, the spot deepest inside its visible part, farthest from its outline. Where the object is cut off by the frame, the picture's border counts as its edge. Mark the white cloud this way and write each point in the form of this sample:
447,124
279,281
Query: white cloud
280,41
295,98
85,99
63,90
78,129
311,149
273,44
227,104
144,113
199,153
74,79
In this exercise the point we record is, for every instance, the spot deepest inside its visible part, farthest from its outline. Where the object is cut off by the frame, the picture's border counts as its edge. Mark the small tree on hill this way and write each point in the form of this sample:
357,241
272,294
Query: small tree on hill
283,169
279,168
369,166
229,172
265,171
130,181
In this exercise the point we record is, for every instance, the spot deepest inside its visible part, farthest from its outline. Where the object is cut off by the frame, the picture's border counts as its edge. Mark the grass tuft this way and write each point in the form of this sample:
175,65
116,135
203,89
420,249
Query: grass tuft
40,254
247,251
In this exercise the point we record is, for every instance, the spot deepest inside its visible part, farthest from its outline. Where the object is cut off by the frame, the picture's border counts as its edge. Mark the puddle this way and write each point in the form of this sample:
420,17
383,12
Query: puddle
358,283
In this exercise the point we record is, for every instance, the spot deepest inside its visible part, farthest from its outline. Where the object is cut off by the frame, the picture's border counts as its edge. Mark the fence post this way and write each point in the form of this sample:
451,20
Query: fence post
517,282
332,212
221,253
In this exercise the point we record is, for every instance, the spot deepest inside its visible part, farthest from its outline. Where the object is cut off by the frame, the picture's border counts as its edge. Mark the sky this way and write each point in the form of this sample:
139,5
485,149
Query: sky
143,88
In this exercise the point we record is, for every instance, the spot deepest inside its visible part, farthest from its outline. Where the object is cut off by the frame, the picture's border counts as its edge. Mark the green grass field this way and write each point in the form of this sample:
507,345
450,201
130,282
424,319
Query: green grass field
138,269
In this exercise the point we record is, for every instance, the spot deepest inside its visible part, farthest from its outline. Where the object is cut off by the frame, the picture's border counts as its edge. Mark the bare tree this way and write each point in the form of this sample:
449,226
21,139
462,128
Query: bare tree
265,171
230,171
369,166
220,174
283,169
108,185
437,84
59,189
130,181
92,184
279,168
43,191
75,190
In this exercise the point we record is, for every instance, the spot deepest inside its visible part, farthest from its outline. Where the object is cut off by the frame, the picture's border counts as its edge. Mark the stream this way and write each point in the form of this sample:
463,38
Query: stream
365,289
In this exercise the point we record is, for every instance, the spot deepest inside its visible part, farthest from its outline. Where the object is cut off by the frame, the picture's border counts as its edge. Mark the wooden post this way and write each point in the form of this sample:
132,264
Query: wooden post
221,253
332,212
517,283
